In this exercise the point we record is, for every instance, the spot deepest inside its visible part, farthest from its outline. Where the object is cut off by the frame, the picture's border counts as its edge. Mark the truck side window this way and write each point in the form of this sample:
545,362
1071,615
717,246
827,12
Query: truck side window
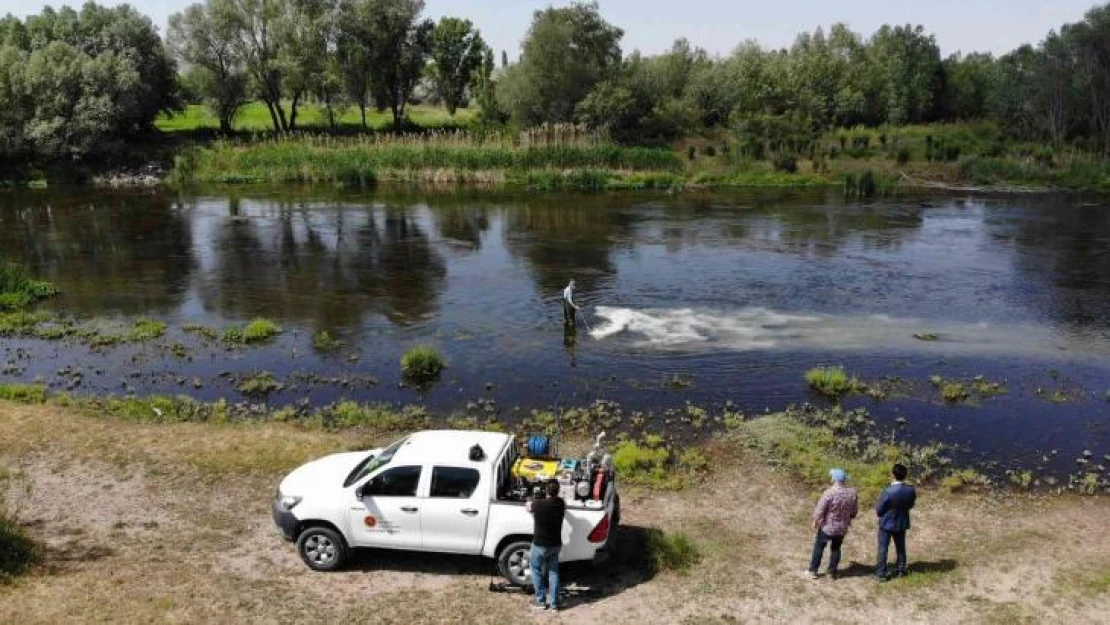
396,482
454,482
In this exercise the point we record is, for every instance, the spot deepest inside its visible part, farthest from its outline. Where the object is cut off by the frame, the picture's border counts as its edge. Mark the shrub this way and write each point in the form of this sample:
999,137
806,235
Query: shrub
903,155
832,381
421,364
710,151
670,552
954,392
692,152
260,330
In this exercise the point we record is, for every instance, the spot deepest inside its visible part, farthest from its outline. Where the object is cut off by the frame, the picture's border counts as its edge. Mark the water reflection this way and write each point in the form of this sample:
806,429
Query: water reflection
108,252
327,265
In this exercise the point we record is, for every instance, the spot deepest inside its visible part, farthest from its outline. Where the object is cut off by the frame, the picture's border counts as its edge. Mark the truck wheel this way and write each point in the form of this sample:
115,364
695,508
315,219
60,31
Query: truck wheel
515,563
322,549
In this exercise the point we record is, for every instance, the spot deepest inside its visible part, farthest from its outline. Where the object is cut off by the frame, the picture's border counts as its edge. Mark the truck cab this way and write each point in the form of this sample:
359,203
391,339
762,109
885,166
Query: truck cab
460,492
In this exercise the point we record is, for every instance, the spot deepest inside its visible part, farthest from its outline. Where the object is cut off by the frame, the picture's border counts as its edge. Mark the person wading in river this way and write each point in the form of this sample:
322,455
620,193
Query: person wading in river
570,309
831,518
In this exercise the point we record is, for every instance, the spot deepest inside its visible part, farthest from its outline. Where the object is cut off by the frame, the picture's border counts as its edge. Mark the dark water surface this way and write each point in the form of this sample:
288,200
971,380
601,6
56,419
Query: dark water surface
734,295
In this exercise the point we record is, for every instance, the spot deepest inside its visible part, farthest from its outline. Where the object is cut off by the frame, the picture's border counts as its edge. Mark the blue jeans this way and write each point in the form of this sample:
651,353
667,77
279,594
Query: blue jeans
899,548
545,574
819,551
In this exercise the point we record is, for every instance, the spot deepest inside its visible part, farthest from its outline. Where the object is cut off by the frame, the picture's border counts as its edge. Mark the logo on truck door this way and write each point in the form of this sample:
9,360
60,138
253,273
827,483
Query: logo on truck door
370,521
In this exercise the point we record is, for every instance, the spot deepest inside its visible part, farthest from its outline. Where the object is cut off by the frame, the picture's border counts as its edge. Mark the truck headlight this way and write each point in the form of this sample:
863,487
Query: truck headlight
288,502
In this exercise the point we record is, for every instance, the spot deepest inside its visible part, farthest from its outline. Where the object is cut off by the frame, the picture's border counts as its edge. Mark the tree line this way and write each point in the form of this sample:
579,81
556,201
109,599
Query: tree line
336,52
77,82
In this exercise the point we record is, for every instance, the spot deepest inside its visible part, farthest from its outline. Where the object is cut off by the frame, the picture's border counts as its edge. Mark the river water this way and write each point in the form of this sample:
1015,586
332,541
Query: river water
703,298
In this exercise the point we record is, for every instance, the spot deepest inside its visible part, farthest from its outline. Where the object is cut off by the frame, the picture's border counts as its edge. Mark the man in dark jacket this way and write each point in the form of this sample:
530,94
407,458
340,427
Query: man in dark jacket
893,510
547,542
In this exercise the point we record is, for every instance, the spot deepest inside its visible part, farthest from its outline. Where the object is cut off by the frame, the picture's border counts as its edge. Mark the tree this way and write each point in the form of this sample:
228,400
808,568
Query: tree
908,62
400,45
205,38
1091,39
354,51
484,88
457,52
259,44
304,54
75,84
566,53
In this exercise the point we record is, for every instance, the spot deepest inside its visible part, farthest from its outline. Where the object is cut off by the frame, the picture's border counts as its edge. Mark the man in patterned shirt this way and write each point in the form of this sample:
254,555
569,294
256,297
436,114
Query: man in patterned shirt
831,518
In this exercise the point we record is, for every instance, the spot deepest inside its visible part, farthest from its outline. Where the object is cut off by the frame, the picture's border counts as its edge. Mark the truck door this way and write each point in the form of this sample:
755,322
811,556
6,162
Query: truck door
388,512
453,517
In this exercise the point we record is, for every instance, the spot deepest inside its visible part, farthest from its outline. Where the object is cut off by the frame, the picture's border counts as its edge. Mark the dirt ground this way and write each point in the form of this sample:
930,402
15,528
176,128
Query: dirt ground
170,523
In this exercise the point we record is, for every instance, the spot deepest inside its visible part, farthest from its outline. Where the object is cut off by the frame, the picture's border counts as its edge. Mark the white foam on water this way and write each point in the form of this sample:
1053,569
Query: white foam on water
757,328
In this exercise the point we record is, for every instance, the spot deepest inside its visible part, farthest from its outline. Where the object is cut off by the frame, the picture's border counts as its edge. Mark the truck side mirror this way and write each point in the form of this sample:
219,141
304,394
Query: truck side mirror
358,492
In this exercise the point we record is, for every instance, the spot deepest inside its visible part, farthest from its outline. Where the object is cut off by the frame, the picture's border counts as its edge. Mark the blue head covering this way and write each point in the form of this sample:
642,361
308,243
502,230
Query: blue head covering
838,475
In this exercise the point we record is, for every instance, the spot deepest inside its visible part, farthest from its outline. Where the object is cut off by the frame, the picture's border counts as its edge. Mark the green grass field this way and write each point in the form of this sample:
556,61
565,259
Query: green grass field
254,117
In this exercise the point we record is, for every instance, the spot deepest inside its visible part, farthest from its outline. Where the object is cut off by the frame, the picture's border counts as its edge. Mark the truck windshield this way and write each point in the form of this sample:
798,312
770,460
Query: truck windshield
372,463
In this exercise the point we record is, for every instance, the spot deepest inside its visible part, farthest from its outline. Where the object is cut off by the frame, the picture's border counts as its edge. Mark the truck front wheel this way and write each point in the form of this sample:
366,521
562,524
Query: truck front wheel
515,563
322,549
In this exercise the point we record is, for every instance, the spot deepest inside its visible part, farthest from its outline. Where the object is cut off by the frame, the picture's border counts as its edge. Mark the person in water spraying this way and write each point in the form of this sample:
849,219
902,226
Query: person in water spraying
570,309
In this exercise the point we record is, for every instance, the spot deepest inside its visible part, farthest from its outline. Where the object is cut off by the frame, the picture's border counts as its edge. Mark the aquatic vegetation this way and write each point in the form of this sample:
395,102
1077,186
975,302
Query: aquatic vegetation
260,330
20,322
259,385
1021,479
18,290
964,480
1058,395
232,335
422,364
925,336
954,392
202,331
808,441
833,381
145,329
670,552
23,393
323,341
655,464
378,417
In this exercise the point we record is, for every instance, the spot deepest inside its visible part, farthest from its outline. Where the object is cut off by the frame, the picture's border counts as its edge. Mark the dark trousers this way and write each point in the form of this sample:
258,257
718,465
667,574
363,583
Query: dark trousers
899,548
569,315
819,552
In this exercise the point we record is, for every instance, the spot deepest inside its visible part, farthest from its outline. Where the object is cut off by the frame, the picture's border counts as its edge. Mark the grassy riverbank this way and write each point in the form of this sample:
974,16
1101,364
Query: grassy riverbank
174,525
863,161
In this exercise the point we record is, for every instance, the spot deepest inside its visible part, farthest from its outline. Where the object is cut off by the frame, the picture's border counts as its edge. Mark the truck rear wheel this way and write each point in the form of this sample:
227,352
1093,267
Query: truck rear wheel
322,549
515,563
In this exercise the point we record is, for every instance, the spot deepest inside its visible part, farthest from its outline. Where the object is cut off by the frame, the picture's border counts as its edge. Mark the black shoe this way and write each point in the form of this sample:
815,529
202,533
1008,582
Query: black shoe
882,577
900,574
833,575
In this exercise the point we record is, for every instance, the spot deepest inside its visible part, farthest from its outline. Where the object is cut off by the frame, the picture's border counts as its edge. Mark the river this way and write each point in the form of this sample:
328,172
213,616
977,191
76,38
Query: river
696,297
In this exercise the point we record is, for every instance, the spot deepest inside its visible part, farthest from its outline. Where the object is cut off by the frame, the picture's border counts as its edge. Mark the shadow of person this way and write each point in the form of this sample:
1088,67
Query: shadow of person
856,569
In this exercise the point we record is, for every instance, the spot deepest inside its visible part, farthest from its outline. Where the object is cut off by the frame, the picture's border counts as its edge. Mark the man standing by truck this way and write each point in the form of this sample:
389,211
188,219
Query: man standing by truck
547,542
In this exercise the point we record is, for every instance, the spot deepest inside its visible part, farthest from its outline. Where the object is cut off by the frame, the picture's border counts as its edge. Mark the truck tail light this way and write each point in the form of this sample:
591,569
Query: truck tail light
601,532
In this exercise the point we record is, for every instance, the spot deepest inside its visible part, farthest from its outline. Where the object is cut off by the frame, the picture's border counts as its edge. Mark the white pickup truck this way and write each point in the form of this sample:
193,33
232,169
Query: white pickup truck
444,491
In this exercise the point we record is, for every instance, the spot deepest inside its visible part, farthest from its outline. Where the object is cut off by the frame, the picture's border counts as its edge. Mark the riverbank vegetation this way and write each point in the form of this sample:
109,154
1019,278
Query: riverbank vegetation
837,107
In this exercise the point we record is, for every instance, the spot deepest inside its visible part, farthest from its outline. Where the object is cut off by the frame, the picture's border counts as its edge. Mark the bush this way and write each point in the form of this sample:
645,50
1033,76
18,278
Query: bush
832,381
260,385
670,552
421,364
692,152
903,155
260,330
